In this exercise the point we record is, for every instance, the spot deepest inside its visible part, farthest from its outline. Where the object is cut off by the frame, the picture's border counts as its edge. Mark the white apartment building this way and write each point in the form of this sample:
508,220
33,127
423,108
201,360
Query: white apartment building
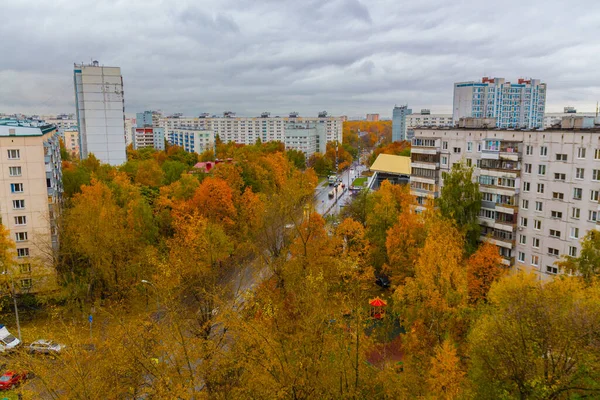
62,122
192,140
247,130
100,112
426,119
305,137
147,133
512,105
30,193
540,188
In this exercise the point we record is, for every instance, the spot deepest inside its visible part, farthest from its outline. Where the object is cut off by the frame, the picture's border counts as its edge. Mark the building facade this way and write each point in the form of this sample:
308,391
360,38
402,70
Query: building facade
540,188
71,140
426,119
100,112
399,126
372,117
307,137
512,105
30,194
552,119
192,140
247,130
147,133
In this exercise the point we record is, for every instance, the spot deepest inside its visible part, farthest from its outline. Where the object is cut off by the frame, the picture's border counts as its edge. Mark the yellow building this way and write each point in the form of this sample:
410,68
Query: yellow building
72,143
30,193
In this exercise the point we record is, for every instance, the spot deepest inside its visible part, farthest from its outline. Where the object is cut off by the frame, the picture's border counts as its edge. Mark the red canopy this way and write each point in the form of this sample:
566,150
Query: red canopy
377,302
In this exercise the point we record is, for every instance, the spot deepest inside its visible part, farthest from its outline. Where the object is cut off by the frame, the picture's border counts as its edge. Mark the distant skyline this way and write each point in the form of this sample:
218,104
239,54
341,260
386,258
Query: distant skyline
348,57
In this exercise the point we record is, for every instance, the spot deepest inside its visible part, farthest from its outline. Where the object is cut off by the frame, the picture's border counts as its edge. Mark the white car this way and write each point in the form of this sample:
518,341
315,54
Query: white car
7,340
45,347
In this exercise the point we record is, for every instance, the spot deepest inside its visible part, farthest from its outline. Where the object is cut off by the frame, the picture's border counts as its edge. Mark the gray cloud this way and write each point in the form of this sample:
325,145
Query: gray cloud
345,56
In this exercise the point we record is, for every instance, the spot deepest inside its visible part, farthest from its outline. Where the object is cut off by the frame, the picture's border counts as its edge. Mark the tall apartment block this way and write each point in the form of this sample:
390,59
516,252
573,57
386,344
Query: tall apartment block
399,126
540,188
193,140
100,112
512,105
30,193
306,137
147,133
247,130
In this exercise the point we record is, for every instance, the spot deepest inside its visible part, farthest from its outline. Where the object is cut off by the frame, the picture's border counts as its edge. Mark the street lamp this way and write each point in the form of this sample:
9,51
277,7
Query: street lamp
155,290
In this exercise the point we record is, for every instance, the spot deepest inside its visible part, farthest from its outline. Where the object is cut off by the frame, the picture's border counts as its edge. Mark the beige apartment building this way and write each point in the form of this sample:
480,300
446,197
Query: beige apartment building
540,188
71,138
30,193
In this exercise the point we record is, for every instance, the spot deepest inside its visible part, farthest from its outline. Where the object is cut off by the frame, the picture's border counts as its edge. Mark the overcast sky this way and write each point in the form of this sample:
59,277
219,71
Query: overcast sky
348,57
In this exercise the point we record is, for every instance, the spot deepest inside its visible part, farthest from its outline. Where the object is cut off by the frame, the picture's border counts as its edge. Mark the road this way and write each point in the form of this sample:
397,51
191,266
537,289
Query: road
326,206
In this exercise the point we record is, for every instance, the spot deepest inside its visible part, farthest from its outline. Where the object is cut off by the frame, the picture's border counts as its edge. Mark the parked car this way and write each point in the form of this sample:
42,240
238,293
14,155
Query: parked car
10,379
45,347
7,340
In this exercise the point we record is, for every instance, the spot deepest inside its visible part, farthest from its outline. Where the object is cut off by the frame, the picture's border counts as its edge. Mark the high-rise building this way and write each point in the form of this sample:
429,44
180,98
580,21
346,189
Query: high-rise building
512,105
399,123
71,141
147,133
306,137
100,112
540,188
372,117
193,140
30,194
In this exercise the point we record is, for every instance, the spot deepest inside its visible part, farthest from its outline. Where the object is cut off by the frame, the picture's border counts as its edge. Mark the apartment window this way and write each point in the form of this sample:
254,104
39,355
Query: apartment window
529,150
23,252
537,224
469,162
581,152
556,214
14,171
456,150
554,233
561,157
526,186
444,160
20,236
579,173
14,154
560,177
541,170
25,268
522,239
551,269
573,251
553,252
592,215
469,146
539,206
26,283
540,188
521,257
577,193
597,154
535,243
575,213
535,260
596,174
574,233
18,204
543,151
523,221
21,220
479,147
525,204
558,195
16,188
594,195
445,145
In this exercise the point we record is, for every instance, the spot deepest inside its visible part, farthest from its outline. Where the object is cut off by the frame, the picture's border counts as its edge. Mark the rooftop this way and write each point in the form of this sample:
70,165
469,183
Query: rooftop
12,127
392,164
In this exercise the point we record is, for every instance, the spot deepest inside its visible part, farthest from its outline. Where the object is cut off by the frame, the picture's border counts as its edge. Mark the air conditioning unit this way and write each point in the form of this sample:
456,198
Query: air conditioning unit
520,228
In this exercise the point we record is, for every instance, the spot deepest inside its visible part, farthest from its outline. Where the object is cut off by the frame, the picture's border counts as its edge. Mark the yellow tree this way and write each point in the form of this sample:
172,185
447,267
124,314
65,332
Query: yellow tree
446,376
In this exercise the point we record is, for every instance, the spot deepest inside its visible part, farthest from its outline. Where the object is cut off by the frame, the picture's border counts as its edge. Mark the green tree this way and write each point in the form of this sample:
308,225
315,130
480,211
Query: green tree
588,262
173,170
460,200
297,158
537,340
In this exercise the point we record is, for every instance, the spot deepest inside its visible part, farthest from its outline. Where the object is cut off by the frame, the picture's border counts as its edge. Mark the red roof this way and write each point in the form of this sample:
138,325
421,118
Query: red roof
377,302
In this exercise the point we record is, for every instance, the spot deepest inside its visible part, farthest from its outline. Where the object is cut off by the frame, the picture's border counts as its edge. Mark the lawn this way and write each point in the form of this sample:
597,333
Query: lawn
359,182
